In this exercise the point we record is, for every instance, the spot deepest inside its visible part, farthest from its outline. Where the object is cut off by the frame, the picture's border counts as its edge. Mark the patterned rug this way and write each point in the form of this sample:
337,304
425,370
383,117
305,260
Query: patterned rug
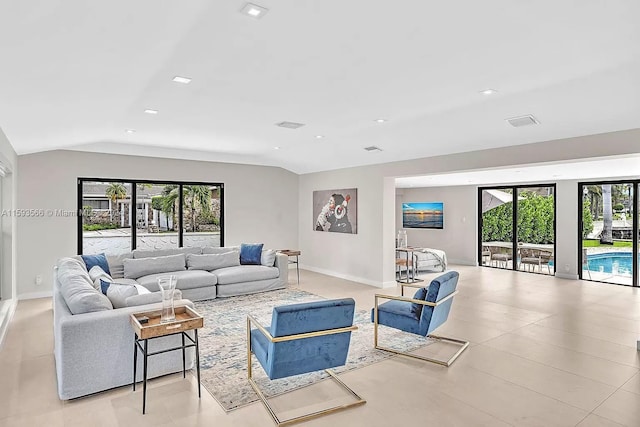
223,348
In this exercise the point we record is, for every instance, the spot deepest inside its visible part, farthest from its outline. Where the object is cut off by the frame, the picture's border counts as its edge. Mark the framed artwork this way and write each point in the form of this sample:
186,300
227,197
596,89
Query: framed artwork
423,215
336,211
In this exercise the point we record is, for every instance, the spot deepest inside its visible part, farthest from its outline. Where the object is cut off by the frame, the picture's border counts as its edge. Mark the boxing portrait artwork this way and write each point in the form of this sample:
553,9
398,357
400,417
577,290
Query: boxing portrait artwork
335,210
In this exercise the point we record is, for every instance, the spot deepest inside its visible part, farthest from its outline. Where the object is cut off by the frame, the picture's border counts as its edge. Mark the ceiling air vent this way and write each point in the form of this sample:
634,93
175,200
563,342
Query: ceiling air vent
527,120
373,148
290,125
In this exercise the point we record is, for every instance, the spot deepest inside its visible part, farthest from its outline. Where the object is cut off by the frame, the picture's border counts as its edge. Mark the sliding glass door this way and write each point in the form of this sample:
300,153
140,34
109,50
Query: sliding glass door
517,228
609,232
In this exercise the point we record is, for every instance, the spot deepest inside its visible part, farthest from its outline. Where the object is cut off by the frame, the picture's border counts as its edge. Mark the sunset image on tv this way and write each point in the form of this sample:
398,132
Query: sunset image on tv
422,215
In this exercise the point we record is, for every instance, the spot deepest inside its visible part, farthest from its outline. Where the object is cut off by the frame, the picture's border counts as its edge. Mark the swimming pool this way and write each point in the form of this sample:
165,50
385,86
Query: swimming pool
608,262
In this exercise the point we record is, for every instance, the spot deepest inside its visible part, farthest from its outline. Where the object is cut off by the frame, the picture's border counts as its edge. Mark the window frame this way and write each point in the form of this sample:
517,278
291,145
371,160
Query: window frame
134,186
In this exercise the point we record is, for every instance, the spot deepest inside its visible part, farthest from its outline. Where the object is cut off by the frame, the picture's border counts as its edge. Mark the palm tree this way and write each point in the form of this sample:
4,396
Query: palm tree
197,195
115,191
169,197
606,237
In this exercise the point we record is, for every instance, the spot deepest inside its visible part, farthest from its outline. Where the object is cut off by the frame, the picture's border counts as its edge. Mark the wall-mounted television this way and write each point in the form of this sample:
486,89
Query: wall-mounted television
423,215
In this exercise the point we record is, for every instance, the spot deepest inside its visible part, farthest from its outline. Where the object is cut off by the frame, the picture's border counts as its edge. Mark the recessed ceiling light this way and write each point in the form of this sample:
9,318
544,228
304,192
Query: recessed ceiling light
254,11
372,148
290,125
488,91
380,120
183,80
130,130
149,111
319,136
276,148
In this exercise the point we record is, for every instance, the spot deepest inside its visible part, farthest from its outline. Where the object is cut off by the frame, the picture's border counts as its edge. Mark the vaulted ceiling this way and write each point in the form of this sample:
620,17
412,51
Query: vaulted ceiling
77,74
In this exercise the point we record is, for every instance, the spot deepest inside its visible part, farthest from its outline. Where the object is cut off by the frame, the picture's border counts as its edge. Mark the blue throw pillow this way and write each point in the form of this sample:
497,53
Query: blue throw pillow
415,307
251,254
99,260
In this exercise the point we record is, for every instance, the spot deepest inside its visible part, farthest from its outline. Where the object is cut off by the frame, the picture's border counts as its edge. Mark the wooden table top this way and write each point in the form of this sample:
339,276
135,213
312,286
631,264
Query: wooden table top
186,319
289,252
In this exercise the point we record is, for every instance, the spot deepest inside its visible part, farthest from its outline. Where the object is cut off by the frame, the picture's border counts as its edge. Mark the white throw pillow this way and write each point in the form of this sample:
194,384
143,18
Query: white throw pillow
268,257
118,293
96,274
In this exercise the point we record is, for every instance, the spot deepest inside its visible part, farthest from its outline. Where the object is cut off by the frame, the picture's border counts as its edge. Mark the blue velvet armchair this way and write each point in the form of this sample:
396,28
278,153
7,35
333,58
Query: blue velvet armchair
427,310
302,338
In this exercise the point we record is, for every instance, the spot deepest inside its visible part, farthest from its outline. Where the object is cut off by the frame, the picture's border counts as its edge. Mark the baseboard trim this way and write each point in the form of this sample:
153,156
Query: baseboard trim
567,276
389,284
6,315
461,262
35,295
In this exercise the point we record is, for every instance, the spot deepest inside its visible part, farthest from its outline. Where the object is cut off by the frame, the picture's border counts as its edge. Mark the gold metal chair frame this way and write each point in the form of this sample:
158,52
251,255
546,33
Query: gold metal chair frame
265,402
446,363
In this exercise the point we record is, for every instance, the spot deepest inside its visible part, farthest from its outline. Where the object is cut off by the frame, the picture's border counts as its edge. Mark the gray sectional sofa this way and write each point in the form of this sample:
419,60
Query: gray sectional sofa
93,342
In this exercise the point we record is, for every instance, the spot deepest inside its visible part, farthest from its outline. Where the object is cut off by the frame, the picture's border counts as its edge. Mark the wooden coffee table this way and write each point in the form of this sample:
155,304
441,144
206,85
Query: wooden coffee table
186,320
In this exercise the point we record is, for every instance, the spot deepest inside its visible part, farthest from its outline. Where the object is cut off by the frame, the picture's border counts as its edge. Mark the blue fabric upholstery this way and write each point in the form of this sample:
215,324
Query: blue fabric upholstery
400,314
416,308
299,356
99,260
251,254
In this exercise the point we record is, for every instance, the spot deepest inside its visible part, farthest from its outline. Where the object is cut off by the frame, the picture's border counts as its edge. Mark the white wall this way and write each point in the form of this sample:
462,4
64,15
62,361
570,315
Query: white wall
8,158
458,238
368,256
260,203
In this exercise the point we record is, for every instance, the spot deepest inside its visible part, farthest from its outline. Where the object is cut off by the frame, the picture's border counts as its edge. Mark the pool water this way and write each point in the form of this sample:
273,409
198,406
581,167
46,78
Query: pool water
608,262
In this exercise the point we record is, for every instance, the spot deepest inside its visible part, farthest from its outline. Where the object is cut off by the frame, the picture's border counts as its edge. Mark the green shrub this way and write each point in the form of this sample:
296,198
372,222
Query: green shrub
97,227
535,220
618,207
587,219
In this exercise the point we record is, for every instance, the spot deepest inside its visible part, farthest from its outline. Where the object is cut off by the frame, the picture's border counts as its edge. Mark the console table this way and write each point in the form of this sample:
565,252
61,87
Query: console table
186,320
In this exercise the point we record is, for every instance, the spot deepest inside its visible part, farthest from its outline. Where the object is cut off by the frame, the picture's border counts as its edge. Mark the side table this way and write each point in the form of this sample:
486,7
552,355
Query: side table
409,263
292,253
186,320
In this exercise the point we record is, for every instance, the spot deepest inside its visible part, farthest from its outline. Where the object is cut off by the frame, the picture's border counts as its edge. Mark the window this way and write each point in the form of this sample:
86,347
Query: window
95,204
517,228
608,230
121,215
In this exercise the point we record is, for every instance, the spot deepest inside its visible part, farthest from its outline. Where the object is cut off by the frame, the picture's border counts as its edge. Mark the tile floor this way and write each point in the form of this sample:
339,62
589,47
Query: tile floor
545,352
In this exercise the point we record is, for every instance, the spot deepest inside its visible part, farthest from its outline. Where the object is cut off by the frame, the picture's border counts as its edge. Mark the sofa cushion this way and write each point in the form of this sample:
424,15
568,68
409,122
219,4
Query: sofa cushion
135,268
186,279
98,259
245,273
219,250
213,261
119,292
96,274
146,253
150,298
77,288
250,254
268,258
116,267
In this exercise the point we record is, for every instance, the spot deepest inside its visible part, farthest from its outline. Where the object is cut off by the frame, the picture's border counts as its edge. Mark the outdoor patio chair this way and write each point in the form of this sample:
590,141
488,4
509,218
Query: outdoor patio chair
303,338
486,253
427,310
501,256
